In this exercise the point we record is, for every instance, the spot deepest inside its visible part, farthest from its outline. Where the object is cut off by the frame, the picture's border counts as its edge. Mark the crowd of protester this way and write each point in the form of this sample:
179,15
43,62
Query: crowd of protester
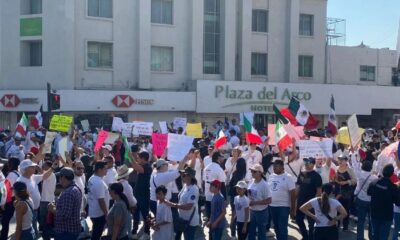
261,186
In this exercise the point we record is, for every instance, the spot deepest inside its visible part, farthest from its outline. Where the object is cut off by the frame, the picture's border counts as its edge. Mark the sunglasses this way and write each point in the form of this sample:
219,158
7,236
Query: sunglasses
253,171
80,168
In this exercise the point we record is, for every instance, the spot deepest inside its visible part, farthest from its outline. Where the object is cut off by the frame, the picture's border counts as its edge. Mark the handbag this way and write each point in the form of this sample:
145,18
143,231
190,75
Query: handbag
180,224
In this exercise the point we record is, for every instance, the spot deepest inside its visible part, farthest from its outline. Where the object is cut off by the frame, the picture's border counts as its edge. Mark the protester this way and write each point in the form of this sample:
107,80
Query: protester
217,221
241,215
283,195
163,226
67,210
80,180
118,217
47,196
308,186
383,195
260,198
325,216
98,199
252,157
23,212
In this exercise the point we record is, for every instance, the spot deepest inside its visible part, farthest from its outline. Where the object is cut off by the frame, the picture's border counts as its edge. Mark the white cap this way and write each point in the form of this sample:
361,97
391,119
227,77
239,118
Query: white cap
108,147
27,163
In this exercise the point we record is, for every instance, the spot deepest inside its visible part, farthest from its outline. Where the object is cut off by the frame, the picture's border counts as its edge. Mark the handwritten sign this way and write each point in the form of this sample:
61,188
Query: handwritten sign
316,149
352,125
178,146
60,123
63,147
85,125
194,129
117,125
159,143
101,138
127,129
48,141
163,126
143,128
180,122
111,138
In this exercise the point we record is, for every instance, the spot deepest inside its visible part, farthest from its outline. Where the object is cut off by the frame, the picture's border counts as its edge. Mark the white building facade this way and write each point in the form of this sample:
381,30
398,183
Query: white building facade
159,59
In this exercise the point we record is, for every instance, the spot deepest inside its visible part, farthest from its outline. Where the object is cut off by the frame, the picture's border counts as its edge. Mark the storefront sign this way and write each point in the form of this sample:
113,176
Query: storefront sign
10,100
125,101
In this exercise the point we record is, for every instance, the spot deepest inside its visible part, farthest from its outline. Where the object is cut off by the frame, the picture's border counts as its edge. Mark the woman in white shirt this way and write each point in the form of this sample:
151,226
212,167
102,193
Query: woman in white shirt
325,216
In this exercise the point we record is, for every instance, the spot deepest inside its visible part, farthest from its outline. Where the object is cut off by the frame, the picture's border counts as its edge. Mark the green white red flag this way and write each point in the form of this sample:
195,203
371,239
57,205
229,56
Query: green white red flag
22,126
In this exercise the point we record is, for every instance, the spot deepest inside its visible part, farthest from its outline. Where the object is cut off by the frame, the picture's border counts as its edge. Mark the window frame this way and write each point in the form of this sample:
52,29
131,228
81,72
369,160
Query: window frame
367,68
28,60
100,17
301,66
301,24
172,61
216,36
106,68
257,20
258,54
172,13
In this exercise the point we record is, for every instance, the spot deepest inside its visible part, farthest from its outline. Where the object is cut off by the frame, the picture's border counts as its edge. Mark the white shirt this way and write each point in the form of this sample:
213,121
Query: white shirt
80,183
189,194
241,203
98,189
235,141
48,188
294,169
16,151
383,160
128,191
212,172
162,178
197,168
111,176
323,171
207,160
334,206
280,185
257,192
229,168
252,158
174,188
12,177
361,179
33,188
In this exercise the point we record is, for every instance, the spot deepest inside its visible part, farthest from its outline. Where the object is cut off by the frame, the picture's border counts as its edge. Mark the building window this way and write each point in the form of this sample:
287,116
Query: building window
100,8
306,66
161,11
260,21
99,55
31,53
31,7
212,37
367,73
162,59
259,64
306,27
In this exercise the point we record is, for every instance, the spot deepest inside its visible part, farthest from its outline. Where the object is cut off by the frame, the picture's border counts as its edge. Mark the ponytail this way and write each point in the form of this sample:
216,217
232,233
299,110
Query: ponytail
124,199
325,208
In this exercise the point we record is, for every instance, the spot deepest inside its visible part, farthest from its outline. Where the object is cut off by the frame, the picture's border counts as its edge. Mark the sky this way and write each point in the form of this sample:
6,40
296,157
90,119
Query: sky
376,22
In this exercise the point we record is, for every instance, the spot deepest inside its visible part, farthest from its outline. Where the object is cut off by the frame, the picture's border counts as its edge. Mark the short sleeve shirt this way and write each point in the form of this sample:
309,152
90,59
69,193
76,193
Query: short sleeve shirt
33,188
98,189
257,192
217,206
119,209
333,203
212,172
189,194
308,183
280,185
241,203
142,186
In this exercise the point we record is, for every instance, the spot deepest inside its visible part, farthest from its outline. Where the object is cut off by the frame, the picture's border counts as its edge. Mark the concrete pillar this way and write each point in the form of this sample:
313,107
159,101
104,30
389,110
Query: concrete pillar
196,40
144,43
293,39
245,39
228,50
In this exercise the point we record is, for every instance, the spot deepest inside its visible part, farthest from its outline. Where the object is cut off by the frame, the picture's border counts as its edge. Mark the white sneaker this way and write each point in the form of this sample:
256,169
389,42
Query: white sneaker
270,234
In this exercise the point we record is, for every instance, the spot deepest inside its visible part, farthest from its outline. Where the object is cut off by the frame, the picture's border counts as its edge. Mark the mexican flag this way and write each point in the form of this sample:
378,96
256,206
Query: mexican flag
282,138
302,115
253,137
37,121
127,148
332,123
21,126
221,140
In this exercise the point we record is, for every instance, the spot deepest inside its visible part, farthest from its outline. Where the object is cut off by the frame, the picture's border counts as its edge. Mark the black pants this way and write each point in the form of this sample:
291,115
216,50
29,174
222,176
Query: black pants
242,236
98,227
307,235
5,219
142,208
346,204
326,233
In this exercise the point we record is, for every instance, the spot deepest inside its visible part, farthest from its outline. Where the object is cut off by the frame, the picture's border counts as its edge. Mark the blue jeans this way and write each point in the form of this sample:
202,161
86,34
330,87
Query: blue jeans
280,218
28,234
396,218
217,233
380,229
363,212
258,220
66,236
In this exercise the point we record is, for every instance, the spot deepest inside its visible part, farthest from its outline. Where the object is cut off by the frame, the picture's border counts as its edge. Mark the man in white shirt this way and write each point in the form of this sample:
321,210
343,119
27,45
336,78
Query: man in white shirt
234,140
323,167
252,157
283,193
213,171
80,180
98,199
27,170
111,176
15,149
48,188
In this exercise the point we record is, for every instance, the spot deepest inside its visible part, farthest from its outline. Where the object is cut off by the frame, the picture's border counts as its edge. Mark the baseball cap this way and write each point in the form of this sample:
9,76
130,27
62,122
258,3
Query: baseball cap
160,163
216,183
189,171
309,160
257,168
108,147
27,163
342,157
241,184
66,172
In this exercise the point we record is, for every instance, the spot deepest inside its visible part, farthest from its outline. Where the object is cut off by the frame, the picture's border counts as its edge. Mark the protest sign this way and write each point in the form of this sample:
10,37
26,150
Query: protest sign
117,124
63,147
127,129
352,126
180,122
316,149
194,129
101,138
178,146
143,128
343,135
85,125
60,123
159,143
48,141
111,138
163,126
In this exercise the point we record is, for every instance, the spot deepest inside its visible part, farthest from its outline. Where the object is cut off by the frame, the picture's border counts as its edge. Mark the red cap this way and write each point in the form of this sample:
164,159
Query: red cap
216,183
34,150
